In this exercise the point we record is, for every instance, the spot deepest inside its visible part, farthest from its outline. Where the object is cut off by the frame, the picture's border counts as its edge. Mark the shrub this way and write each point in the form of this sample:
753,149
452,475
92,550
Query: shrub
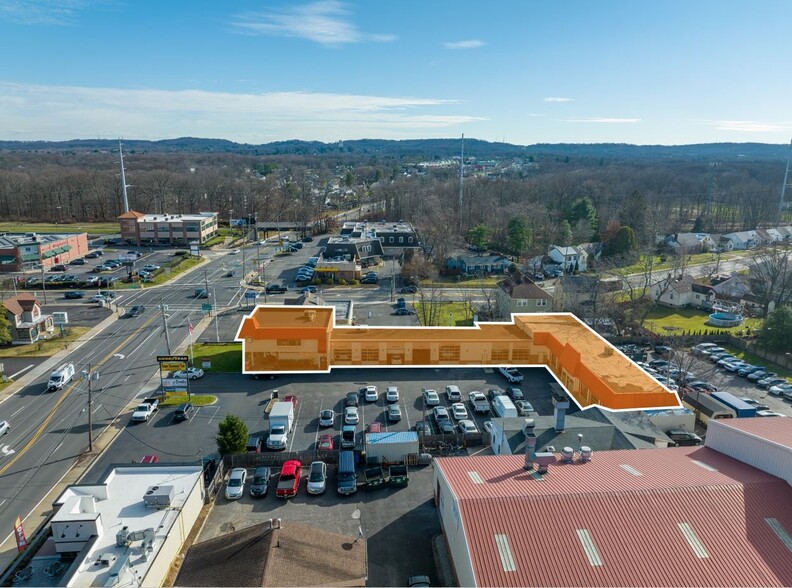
342,282
353,282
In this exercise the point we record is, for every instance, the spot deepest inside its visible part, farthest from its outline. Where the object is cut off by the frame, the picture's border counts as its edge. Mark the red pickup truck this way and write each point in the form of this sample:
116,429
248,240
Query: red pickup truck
289,479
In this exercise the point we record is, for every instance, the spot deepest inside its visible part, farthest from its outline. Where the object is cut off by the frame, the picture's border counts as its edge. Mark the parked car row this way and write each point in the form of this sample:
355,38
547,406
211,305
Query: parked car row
759,375
287,485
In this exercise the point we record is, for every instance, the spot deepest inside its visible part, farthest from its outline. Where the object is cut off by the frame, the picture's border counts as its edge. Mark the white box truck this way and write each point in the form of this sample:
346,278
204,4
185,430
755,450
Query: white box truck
503,406
60,377
281,420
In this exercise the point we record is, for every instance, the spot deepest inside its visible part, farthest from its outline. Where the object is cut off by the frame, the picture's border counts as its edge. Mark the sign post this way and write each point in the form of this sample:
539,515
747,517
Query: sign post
173,363
19,533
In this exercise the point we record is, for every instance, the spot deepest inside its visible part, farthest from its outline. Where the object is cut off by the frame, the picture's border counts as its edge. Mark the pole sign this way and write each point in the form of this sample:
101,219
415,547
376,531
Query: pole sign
206,307
19,533
251,295
172,363
174,384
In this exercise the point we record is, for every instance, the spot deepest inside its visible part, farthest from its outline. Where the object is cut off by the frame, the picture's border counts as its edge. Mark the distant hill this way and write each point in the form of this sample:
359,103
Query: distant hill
422,148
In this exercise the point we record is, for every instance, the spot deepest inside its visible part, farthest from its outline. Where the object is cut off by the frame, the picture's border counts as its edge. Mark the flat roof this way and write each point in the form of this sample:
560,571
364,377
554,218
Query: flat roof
175,218
17,239
687,516
119,503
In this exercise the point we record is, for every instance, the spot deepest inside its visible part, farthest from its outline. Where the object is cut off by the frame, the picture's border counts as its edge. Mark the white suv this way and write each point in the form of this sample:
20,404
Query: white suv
392,394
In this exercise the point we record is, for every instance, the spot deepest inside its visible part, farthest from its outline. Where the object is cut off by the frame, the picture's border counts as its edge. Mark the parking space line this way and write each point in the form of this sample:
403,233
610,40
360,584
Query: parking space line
407,414
214,415
294,427
316,435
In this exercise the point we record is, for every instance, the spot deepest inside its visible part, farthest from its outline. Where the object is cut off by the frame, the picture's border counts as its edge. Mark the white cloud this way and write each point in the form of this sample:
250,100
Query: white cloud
41,12
325,22
66,112
602,120
748,126
467,44
535,114
558,99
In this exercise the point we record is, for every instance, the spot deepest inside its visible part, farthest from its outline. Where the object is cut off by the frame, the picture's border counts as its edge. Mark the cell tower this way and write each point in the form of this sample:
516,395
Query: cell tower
782,204
123,177
461,174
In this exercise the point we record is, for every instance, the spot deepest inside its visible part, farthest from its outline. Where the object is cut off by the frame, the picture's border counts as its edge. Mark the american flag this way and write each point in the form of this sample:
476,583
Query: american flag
191,328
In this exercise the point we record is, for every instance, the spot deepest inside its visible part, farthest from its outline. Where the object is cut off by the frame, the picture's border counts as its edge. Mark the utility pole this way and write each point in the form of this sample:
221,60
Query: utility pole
461,178
90,376
782,202
43,284
206,284
123,178
216,319
165,325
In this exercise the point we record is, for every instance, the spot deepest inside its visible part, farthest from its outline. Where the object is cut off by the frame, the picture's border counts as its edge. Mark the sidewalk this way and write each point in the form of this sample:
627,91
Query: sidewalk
38,517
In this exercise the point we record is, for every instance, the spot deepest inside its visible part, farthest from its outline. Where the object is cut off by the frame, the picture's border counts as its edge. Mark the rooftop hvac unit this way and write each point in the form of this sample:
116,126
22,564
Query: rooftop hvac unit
158,496
106,559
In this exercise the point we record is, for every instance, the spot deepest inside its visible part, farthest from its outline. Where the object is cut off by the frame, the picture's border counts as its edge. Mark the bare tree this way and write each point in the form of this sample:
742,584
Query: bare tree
771,275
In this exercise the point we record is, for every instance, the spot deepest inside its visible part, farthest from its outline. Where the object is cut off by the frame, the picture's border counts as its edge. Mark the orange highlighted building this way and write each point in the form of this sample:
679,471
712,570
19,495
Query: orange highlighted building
278,339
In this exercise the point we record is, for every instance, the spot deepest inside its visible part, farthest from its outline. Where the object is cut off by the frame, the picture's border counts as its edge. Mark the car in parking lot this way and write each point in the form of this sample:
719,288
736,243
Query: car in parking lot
459,411
235,486
404,312
392,394
352,399
259,485
423,427
325,443
58,268
326,418
493,392
682,438
702,347
307,239
514,393
487,426
770,382
768,413
394,413
351,416
136,310
92,255
191,373
748,369
369,280
431,397
701,385
440,413
523,407
466,427
760,375
446,427
317,478
78,261
453,393
150,267
183,412
512,375
781,389
370,393
73,294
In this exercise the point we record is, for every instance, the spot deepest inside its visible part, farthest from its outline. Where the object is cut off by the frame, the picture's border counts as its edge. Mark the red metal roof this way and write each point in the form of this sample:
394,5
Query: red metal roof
775,429
637,524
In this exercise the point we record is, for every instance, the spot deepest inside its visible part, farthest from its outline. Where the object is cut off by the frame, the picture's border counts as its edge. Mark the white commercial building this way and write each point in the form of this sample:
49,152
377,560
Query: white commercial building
125,531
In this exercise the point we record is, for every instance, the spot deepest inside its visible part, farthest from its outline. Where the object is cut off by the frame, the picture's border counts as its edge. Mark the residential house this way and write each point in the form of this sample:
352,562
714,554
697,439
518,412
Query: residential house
785,232
703,296
722,243
774,235
518,293
690,242
575,293
353,248
28,324
571,259
732,288
673,292
479,264
743,239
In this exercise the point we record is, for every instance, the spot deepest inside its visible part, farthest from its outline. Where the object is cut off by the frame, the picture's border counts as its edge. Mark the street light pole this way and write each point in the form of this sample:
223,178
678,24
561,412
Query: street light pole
165,325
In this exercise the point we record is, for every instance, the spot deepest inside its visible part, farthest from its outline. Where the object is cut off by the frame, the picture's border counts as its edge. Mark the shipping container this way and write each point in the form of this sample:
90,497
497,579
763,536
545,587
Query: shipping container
391,447
742,408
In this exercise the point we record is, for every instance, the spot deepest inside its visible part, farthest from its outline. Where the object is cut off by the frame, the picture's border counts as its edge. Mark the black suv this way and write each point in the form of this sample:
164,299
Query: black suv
683,438
136,310
276,289
183,412
352,398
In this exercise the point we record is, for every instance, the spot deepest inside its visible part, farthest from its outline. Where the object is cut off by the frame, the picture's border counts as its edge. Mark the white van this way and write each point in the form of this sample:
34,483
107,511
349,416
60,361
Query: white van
60,377
504,407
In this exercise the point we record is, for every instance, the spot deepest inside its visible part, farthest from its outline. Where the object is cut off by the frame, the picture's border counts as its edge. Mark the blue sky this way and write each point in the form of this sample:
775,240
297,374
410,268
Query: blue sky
644,72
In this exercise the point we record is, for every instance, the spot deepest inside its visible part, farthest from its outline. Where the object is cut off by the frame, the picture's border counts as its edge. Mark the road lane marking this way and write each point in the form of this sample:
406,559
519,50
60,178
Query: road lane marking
97,408
22,371
18,411
129,376
65,395
214,415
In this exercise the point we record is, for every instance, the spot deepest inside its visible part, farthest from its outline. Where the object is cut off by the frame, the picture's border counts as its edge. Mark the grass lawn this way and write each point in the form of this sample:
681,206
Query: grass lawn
91,228
756,360
46,348
452,282
224,358
196,399
458,316
688,319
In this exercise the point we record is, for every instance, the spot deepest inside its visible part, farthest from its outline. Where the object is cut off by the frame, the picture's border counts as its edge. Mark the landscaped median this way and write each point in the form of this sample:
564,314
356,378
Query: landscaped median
225,357
176,267
196,399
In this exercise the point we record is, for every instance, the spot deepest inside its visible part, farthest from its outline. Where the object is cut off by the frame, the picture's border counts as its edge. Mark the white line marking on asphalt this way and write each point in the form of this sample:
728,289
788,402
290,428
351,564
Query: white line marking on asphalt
316,435
142,343
18,411
22,371
58,447
294,427
97,408
214,415
129,376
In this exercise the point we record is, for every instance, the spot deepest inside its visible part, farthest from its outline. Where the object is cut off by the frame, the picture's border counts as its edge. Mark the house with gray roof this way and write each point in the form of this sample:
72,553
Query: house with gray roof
518,293
571,259
479,264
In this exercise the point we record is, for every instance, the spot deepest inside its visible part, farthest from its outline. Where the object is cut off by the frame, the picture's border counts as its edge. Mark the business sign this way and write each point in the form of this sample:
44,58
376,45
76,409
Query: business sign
326,269
195,248
172,363
251,294
174,384
19,533
206,363
127,257
60,318
238,222
206,307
